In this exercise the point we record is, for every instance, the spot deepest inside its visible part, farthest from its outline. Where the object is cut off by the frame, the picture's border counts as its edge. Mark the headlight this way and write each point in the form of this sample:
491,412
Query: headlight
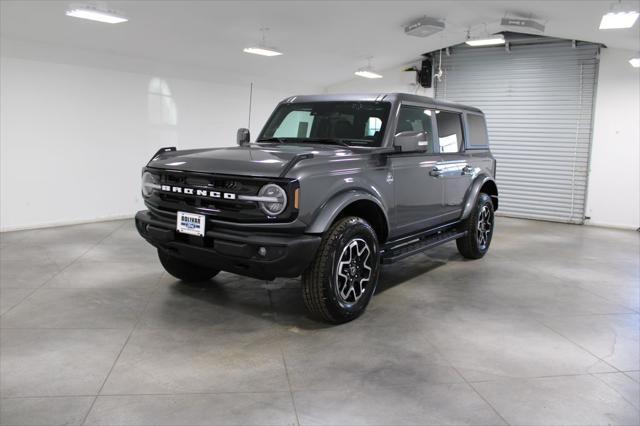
278,196
149,184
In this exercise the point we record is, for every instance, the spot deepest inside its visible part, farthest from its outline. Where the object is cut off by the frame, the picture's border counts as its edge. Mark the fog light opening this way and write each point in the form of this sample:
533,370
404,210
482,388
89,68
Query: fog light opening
262,251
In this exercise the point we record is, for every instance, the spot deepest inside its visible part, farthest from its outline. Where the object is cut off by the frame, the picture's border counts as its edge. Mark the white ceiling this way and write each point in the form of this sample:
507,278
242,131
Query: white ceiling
323,41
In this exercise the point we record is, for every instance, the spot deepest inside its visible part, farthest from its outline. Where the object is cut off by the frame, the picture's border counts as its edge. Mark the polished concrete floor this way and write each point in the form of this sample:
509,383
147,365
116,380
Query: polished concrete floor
543,331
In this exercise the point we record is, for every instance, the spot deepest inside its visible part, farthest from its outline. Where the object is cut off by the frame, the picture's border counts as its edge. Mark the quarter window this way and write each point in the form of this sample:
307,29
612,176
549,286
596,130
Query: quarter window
449,131
477,131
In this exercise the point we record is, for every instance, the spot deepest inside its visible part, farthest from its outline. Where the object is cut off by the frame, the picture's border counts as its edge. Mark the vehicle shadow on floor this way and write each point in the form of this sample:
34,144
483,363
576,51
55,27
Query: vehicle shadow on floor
403,271
279,301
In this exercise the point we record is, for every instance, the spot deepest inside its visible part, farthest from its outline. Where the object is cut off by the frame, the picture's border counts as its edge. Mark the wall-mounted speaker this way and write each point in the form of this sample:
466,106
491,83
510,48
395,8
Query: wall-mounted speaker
425,75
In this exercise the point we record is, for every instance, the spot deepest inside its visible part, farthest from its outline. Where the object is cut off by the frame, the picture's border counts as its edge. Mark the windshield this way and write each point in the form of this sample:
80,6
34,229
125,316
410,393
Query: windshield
350,123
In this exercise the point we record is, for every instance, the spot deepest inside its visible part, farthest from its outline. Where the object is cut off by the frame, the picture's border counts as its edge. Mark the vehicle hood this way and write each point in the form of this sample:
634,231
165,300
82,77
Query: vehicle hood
265,160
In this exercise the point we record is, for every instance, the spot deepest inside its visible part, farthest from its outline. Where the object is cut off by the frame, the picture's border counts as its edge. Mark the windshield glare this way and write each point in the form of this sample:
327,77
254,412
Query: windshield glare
353,123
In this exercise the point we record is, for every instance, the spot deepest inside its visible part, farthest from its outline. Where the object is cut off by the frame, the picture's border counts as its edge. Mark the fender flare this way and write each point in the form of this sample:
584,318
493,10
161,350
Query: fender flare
335,205
472,194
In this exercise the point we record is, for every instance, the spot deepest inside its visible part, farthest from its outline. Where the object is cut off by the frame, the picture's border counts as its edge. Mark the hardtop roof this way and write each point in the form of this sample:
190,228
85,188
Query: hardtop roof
378,97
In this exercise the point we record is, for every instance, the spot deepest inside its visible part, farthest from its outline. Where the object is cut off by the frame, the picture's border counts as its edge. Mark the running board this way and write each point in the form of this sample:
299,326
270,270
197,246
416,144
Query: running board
398,251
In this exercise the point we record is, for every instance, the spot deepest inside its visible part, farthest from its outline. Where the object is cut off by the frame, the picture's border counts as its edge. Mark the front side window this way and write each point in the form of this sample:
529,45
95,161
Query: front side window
449,131
353,123
416,119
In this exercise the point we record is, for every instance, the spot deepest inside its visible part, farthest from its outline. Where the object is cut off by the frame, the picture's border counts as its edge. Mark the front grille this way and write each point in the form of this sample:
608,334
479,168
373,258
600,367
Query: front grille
166,204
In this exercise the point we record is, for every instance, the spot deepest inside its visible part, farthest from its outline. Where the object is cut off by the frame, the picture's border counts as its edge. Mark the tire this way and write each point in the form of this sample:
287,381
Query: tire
341,280
185,271
476,243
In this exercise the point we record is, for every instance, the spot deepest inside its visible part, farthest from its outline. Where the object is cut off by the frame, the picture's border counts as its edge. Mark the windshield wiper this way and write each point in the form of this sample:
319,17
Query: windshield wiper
305,140
281,140
327,141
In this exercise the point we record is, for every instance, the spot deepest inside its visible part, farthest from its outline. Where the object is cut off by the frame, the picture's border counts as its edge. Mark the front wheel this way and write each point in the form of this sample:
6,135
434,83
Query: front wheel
184,270
479,227
341,280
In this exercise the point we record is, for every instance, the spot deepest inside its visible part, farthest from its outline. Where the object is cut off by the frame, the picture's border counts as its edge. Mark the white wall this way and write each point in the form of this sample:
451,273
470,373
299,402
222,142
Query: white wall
613,197
73,139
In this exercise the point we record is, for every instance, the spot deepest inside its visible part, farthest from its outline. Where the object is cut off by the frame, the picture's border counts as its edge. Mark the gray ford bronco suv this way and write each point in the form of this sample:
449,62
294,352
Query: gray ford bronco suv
333,187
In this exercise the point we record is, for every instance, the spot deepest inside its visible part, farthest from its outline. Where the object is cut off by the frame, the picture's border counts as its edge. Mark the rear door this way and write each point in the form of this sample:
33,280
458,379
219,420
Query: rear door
419,194
455,170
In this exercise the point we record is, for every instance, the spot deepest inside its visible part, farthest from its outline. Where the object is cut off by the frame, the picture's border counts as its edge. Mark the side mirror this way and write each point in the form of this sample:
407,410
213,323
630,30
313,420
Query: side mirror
243,136
410,141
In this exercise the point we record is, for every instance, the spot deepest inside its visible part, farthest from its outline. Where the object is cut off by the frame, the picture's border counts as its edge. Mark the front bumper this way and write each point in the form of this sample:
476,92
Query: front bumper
287,255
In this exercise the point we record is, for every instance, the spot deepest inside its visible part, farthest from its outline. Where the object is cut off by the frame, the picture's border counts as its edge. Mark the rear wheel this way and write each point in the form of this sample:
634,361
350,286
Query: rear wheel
479,227
184,270
341,280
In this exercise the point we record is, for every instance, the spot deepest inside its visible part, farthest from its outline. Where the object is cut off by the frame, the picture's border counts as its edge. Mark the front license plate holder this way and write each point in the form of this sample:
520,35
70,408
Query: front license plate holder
190,223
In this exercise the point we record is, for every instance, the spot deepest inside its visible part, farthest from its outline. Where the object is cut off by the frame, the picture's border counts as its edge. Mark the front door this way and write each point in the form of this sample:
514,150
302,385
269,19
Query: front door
419,187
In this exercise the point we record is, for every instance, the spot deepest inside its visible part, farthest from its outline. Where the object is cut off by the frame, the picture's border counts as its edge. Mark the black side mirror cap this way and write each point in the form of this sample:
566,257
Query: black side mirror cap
243,136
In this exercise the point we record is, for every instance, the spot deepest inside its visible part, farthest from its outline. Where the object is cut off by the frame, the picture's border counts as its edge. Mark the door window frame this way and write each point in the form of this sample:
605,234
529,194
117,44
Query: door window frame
462,147
434,128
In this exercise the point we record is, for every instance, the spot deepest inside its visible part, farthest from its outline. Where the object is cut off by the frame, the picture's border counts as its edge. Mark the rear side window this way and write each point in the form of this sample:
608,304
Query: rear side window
477,137
449,131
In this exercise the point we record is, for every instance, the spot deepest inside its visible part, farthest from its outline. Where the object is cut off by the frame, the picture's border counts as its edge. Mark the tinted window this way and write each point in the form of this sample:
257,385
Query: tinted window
356,123
374,124
295,124
449,131
416,119
477,130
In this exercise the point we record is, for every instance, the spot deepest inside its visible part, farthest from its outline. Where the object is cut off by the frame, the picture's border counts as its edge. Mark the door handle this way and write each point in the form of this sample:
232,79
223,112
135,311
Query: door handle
467,170
435,172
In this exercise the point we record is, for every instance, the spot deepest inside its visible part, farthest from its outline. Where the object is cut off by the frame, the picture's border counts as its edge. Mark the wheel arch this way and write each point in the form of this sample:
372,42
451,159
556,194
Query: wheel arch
484,184
352,203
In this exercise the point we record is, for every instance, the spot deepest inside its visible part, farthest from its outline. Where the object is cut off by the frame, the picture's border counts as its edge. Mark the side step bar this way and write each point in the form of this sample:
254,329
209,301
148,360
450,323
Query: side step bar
396,251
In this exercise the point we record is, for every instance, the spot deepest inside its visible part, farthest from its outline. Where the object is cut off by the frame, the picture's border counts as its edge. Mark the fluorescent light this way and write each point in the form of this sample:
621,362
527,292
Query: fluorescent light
367,74
93,14
489,41
615,20
264,51
635,62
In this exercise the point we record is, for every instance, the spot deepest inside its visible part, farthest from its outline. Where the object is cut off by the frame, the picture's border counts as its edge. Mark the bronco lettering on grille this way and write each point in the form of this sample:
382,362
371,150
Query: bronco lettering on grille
198,192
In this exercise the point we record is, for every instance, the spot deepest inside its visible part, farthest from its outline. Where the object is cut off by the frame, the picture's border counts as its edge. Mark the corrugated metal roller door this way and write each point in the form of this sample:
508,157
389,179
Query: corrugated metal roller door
538,100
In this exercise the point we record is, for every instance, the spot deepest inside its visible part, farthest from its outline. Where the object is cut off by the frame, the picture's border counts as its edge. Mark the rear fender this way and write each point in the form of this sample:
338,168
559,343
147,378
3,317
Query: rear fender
473,192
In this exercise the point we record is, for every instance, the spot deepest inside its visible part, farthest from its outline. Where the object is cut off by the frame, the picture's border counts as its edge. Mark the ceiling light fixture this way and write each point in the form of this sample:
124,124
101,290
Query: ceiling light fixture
367,72
635,62
262,49
96,12
424,27
522,24
618,18
487,41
